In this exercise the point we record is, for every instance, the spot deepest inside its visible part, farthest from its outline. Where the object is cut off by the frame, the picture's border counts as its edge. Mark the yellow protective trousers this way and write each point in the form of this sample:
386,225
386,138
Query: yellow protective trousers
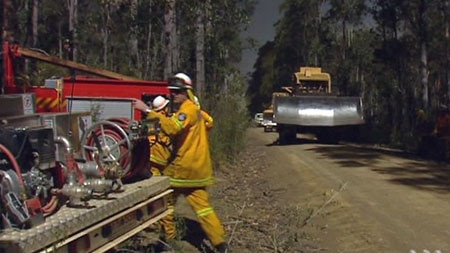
198,199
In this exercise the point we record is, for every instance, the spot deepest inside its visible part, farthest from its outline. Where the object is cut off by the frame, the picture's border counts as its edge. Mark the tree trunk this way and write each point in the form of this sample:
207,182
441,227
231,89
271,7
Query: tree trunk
34,22
344,39
447,47
423,54
105,31
169,28
73,22
424,74
135,62
30,66
9,21
199,50
148,58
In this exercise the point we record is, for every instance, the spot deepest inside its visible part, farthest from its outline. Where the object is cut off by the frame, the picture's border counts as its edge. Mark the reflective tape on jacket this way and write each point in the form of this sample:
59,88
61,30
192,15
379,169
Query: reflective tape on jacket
158,160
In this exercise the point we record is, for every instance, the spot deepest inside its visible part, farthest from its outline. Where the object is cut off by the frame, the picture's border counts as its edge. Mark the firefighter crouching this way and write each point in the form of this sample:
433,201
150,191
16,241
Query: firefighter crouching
190,168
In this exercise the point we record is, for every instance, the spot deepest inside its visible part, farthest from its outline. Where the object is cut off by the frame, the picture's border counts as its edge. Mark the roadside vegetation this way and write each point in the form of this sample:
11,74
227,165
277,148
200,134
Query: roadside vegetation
231,121
394,54
149,40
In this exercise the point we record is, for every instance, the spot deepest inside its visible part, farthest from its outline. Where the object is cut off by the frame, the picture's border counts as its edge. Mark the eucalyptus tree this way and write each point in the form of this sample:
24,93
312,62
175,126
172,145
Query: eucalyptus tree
294,40
439,53
429,26
223,46
347,14
410,59
145,38
170,32
416,16
72,6
261,84
200,32
344,18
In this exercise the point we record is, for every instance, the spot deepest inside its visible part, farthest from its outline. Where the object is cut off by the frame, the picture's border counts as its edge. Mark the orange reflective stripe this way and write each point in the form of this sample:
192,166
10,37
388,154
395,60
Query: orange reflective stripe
49,103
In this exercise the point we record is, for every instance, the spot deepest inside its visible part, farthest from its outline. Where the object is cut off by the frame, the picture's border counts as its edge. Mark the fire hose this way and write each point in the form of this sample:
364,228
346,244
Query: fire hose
14,163
51,205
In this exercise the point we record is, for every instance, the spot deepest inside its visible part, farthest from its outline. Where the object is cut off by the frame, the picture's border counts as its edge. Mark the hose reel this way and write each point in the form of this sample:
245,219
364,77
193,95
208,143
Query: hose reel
118,147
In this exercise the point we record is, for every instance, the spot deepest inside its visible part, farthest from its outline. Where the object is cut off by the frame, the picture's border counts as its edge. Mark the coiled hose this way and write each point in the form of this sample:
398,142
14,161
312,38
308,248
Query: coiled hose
136,158
51,205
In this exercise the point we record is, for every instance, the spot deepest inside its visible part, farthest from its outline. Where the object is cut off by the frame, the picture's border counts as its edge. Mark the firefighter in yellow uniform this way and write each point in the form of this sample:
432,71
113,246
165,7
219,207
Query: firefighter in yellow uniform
160,144
190,169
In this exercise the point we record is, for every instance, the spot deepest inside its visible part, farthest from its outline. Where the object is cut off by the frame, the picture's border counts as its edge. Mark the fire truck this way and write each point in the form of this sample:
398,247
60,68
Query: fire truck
73,170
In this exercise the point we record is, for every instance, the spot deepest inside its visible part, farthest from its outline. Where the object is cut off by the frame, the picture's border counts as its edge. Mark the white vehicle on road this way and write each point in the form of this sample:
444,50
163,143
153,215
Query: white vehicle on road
258,119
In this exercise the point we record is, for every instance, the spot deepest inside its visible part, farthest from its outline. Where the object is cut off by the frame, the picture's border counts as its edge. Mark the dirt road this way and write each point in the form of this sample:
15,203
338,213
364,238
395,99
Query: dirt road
360,200
308,197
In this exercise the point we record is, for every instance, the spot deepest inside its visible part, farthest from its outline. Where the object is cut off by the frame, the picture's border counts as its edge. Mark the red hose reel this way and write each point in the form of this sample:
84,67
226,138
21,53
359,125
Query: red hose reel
108,143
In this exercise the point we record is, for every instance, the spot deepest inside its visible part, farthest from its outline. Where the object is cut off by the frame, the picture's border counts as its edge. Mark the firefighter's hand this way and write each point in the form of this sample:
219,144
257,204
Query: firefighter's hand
141,106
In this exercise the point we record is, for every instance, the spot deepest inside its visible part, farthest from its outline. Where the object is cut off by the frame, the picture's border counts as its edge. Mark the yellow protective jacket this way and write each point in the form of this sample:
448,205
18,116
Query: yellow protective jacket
209,121
159,149
191,164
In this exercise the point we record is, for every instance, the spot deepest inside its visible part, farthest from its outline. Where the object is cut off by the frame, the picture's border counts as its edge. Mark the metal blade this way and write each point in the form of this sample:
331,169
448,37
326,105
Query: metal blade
318,110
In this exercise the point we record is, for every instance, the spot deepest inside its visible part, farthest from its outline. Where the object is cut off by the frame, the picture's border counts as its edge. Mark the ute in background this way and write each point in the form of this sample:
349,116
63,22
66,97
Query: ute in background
310,106
258,119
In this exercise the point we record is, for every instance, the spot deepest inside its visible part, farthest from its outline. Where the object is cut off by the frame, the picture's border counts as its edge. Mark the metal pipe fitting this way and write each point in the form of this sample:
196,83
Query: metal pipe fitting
76,191
65,142
99,185
90,169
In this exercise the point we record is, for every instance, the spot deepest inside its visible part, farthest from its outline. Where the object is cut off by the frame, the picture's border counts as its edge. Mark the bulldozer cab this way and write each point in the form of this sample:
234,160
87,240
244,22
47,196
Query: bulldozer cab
311,80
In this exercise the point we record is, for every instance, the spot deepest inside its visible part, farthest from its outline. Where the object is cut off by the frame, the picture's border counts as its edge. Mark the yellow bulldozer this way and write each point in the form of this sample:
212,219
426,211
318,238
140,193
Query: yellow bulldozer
310,106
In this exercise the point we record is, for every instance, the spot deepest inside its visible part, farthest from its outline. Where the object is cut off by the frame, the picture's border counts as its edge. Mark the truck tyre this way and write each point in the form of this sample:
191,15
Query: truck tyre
286,135
328,136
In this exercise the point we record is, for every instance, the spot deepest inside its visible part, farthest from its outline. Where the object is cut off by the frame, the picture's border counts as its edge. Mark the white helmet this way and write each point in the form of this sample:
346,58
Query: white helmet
181,81
185,78
159,103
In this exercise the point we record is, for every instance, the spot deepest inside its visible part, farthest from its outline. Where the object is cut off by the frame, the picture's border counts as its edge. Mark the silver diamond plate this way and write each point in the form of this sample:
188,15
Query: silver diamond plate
68,220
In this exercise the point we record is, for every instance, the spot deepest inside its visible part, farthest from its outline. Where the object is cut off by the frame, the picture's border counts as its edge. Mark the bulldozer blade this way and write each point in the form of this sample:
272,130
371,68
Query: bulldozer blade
318,110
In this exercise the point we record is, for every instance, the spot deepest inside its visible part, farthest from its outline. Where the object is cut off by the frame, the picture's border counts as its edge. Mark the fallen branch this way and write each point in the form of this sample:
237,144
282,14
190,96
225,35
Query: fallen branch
324,205
235,224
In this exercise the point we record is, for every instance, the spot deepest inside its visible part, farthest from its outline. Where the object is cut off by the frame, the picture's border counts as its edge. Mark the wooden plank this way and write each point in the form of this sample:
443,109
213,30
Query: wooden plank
71,64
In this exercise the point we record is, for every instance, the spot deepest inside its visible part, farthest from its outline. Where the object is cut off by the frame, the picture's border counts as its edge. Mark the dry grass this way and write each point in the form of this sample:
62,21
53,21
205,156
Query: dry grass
255,219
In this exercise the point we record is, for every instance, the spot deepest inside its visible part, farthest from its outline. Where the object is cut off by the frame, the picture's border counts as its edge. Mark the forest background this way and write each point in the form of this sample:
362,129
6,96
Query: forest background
394,54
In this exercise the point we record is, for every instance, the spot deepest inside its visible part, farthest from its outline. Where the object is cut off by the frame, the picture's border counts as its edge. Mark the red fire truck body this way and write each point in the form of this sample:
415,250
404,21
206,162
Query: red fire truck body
56,199
54,98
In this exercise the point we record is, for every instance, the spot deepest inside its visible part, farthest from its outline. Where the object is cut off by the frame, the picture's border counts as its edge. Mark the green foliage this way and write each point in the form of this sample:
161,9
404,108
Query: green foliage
261,85
230,121
396,58
393,54
130,40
